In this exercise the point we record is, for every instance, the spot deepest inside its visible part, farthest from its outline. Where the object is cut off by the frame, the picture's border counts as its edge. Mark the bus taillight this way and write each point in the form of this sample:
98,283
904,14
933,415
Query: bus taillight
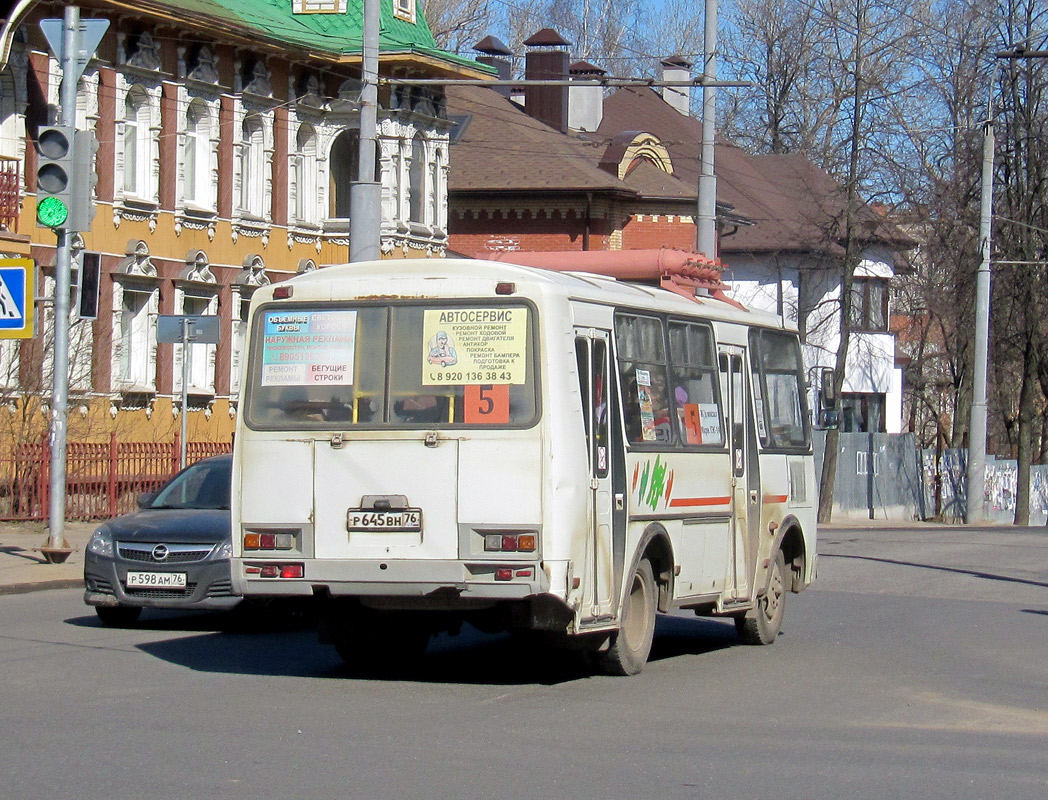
510,542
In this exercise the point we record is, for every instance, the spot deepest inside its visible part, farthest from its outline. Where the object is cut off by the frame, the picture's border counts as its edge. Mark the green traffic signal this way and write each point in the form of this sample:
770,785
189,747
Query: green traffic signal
54,169
51,212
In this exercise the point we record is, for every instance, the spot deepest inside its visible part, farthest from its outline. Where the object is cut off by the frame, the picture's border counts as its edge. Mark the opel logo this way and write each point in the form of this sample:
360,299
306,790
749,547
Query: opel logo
160,552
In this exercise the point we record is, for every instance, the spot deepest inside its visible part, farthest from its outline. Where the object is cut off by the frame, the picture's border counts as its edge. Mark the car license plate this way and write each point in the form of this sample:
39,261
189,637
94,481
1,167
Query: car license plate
158,580
367,519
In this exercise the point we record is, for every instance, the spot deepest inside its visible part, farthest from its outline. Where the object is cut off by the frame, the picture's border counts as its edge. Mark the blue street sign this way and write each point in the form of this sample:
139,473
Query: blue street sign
16,298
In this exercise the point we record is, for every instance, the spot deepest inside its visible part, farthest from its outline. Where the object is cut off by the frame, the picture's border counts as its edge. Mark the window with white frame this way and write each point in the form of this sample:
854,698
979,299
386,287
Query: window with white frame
9,363
435,189
81,340
345,154
417,180
136,339
252,167
306,175
196,156
404,9
241,304
201,356
137,141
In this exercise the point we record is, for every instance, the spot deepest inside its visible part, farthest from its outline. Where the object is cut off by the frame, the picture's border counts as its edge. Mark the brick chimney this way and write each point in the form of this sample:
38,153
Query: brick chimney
547,59
676,68
585,103
496,54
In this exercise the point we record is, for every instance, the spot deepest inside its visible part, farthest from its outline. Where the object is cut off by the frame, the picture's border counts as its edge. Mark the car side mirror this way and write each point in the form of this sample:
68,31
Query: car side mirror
145,499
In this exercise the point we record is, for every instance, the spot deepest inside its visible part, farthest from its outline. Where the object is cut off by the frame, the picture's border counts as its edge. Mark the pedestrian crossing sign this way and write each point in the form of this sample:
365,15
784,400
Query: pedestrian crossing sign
16,298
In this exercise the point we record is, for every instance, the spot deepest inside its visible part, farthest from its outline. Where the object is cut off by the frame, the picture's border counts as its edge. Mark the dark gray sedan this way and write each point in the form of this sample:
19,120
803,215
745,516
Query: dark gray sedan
171,553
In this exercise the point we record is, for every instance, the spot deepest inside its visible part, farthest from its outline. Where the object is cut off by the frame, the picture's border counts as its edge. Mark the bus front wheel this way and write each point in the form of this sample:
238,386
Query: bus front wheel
631,644
761,625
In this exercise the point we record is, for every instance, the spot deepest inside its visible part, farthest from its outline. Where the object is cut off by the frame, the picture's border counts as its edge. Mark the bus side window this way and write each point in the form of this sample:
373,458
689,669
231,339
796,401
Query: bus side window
642,365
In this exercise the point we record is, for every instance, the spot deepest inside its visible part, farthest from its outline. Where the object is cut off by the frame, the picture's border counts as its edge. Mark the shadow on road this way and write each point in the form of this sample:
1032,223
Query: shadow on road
938,568
237,644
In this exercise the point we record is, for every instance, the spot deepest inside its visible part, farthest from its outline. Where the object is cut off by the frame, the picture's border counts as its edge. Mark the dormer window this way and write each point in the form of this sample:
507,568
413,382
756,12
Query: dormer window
405,10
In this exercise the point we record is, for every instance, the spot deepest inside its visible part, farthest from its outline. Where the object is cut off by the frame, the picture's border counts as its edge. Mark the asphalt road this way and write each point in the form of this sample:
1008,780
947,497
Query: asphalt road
917,667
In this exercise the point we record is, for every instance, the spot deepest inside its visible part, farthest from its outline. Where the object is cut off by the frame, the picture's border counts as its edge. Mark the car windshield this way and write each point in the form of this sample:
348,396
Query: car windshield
202,485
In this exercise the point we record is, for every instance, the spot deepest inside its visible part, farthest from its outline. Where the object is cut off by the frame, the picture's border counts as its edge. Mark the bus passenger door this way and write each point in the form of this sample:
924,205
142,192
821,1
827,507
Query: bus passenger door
746,496
606,514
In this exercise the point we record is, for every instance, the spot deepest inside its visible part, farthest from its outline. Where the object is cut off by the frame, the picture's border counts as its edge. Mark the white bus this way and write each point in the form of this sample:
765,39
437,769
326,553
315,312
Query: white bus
426,443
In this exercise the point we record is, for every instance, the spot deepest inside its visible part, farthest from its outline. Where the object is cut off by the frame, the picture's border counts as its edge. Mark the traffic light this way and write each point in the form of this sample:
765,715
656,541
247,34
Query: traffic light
84,177
54,170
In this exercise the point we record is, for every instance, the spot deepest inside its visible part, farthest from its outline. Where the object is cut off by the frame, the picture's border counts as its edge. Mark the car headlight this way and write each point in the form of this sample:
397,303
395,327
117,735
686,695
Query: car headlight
101,543
225,550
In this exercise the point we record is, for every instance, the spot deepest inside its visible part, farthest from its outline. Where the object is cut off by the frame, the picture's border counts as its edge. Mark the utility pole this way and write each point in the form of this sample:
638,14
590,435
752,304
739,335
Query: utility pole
706,217
365,199
976,473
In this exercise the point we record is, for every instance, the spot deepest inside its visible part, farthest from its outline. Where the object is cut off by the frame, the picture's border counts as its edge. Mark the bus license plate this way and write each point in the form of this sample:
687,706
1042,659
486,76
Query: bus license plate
366,519
159,580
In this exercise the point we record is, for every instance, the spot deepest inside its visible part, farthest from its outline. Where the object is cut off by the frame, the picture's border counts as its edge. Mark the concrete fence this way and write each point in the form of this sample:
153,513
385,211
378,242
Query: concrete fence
885,476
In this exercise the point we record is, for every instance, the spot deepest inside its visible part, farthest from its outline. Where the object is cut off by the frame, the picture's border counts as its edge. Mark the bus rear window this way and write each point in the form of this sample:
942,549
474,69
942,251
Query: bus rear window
392,366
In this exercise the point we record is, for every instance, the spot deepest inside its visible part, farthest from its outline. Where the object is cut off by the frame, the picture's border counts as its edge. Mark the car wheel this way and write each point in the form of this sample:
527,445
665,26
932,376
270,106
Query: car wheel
118,616
761,625
631,644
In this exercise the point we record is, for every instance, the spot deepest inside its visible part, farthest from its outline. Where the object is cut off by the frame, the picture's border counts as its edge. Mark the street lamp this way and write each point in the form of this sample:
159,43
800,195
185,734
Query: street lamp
977,423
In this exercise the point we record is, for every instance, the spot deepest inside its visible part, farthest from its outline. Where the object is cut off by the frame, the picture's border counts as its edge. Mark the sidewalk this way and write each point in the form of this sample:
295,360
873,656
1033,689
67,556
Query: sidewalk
23,567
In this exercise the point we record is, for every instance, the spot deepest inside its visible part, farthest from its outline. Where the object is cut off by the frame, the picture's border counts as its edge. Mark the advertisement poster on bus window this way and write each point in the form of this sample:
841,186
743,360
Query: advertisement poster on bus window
467,346
308,348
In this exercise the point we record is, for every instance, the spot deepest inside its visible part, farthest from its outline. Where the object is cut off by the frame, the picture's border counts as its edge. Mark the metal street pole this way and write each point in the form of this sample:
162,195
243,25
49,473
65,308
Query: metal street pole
365,200
185,392
63,265
706,233
976,486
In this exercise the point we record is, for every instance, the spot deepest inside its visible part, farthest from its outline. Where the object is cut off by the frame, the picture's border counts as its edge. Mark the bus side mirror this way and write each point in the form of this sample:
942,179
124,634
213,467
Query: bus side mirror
829,416
827,393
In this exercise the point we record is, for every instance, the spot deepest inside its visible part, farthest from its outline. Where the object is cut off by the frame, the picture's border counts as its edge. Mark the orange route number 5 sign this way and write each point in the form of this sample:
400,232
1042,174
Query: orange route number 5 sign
486,405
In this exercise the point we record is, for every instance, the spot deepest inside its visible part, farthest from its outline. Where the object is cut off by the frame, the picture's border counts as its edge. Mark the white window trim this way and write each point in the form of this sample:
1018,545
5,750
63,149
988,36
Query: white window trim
202,356
147,381
205,200
147,184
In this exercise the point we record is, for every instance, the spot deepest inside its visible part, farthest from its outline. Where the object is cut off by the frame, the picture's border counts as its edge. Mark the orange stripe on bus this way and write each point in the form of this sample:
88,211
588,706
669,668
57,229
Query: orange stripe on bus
699,501
776,498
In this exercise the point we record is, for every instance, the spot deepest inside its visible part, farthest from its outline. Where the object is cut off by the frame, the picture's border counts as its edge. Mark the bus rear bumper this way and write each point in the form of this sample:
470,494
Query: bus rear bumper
406,578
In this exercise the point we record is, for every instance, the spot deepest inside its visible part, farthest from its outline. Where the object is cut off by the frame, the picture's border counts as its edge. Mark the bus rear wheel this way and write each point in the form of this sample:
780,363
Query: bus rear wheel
762,624
631,644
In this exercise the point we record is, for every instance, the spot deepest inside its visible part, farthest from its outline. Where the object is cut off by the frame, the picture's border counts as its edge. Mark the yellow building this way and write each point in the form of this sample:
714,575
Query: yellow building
227,138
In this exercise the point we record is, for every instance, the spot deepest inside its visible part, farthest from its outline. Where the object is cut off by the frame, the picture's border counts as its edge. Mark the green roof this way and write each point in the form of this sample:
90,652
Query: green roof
333,35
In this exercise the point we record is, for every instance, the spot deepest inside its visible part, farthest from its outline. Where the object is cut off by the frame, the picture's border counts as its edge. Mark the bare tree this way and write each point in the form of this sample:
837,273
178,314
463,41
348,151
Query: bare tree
458,24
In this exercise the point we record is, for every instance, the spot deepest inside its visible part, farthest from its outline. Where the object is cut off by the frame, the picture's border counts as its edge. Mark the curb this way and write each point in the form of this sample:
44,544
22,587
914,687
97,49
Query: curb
36,586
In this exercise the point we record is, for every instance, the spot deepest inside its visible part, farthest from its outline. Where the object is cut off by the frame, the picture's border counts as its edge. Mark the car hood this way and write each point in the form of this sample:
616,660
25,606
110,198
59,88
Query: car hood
171,525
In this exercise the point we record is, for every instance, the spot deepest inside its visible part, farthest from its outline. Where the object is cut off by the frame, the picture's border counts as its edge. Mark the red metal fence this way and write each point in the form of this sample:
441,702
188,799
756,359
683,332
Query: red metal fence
103,479
10,193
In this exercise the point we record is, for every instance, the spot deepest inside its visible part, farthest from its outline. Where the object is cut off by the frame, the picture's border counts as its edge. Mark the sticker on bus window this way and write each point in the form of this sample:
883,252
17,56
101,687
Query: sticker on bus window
308,348
709,423
486,405
474,346
647,413
692,423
